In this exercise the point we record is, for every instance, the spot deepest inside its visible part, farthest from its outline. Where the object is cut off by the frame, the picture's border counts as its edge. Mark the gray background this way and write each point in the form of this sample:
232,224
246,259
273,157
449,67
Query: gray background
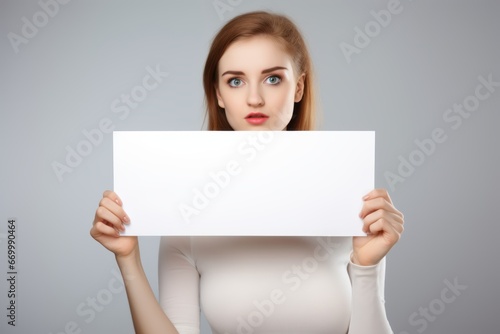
64,79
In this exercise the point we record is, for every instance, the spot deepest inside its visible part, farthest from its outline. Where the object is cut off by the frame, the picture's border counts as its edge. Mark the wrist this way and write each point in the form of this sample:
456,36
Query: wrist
132,258
354,260
130,266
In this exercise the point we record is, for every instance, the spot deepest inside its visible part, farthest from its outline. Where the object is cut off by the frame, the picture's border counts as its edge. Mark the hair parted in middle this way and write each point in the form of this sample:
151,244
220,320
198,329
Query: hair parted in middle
284,32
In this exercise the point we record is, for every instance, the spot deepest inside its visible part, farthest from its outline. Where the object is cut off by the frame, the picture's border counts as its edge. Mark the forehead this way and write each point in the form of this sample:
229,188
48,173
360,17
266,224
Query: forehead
254,53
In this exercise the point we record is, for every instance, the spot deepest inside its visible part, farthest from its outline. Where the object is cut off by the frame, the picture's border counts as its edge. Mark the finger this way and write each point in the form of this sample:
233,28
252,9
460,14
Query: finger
399,228
391,233
375,204
103,215
115,208
101,228
381,214
378,192
113,196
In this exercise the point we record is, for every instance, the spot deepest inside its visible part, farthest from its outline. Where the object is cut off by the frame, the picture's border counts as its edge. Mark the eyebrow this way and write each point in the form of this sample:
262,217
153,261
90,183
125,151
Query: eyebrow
268,70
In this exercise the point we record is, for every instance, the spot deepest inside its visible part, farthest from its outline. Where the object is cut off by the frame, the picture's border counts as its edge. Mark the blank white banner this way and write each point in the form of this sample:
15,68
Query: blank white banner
244,183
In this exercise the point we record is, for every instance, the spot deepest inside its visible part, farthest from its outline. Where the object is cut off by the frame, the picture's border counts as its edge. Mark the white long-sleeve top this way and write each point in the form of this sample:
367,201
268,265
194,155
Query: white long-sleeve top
264,285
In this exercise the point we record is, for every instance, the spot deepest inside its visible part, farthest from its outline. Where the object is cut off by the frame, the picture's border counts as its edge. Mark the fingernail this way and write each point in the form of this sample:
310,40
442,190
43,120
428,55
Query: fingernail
365,197
126,219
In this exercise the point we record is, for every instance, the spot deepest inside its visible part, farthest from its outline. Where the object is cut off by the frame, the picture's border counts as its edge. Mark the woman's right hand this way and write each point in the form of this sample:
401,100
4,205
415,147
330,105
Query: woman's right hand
110,219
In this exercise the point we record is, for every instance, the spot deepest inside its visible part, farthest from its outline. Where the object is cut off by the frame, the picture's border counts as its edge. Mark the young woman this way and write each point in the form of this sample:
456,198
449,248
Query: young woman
258,76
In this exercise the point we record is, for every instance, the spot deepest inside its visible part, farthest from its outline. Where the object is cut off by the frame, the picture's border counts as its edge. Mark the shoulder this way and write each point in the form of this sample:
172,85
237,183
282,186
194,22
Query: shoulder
177,244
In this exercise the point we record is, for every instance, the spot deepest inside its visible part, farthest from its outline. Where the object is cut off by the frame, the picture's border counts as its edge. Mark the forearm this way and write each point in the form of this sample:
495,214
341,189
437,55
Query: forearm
147,315
368,305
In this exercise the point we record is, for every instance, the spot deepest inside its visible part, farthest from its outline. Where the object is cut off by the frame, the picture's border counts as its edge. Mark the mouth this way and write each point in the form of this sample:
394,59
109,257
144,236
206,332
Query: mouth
256,118
256,115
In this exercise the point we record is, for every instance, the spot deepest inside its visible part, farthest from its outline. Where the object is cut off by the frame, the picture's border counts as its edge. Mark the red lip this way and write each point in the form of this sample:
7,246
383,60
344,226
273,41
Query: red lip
256,115
256,118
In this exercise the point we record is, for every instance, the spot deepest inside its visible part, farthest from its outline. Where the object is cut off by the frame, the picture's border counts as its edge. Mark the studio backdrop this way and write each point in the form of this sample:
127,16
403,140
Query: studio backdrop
424,75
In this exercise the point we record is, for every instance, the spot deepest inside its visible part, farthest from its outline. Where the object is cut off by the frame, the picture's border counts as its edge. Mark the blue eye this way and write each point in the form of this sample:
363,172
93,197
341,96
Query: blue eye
235,82
273,80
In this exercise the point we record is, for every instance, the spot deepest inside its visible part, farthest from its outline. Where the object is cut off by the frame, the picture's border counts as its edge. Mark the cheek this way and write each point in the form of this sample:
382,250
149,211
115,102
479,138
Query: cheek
234,107
284,101
233,96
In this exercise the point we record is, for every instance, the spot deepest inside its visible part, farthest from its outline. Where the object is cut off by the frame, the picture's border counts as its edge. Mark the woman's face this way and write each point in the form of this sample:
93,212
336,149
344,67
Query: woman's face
257,85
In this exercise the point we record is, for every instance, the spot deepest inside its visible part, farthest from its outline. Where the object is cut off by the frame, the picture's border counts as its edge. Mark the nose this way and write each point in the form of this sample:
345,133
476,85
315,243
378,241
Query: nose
255,98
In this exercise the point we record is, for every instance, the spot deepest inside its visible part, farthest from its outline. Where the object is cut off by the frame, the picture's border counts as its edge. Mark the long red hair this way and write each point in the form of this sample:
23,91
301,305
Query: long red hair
284,31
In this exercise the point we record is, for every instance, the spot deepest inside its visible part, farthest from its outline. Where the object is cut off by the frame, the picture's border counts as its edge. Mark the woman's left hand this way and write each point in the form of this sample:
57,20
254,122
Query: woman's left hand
383,223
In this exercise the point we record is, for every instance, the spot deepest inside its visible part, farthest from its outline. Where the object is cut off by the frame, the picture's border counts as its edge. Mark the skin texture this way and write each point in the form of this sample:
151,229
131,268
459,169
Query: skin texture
257,75
384,225
245,85
147,315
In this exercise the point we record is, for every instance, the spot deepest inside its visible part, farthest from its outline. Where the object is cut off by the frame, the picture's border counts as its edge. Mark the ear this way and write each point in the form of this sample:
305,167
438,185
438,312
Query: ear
299,89
219,98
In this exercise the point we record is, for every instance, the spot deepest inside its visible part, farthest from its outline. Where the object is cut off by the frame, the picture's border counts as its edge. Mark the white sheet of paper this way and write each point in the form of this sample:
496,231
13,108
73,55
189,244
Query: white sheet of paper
244,183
